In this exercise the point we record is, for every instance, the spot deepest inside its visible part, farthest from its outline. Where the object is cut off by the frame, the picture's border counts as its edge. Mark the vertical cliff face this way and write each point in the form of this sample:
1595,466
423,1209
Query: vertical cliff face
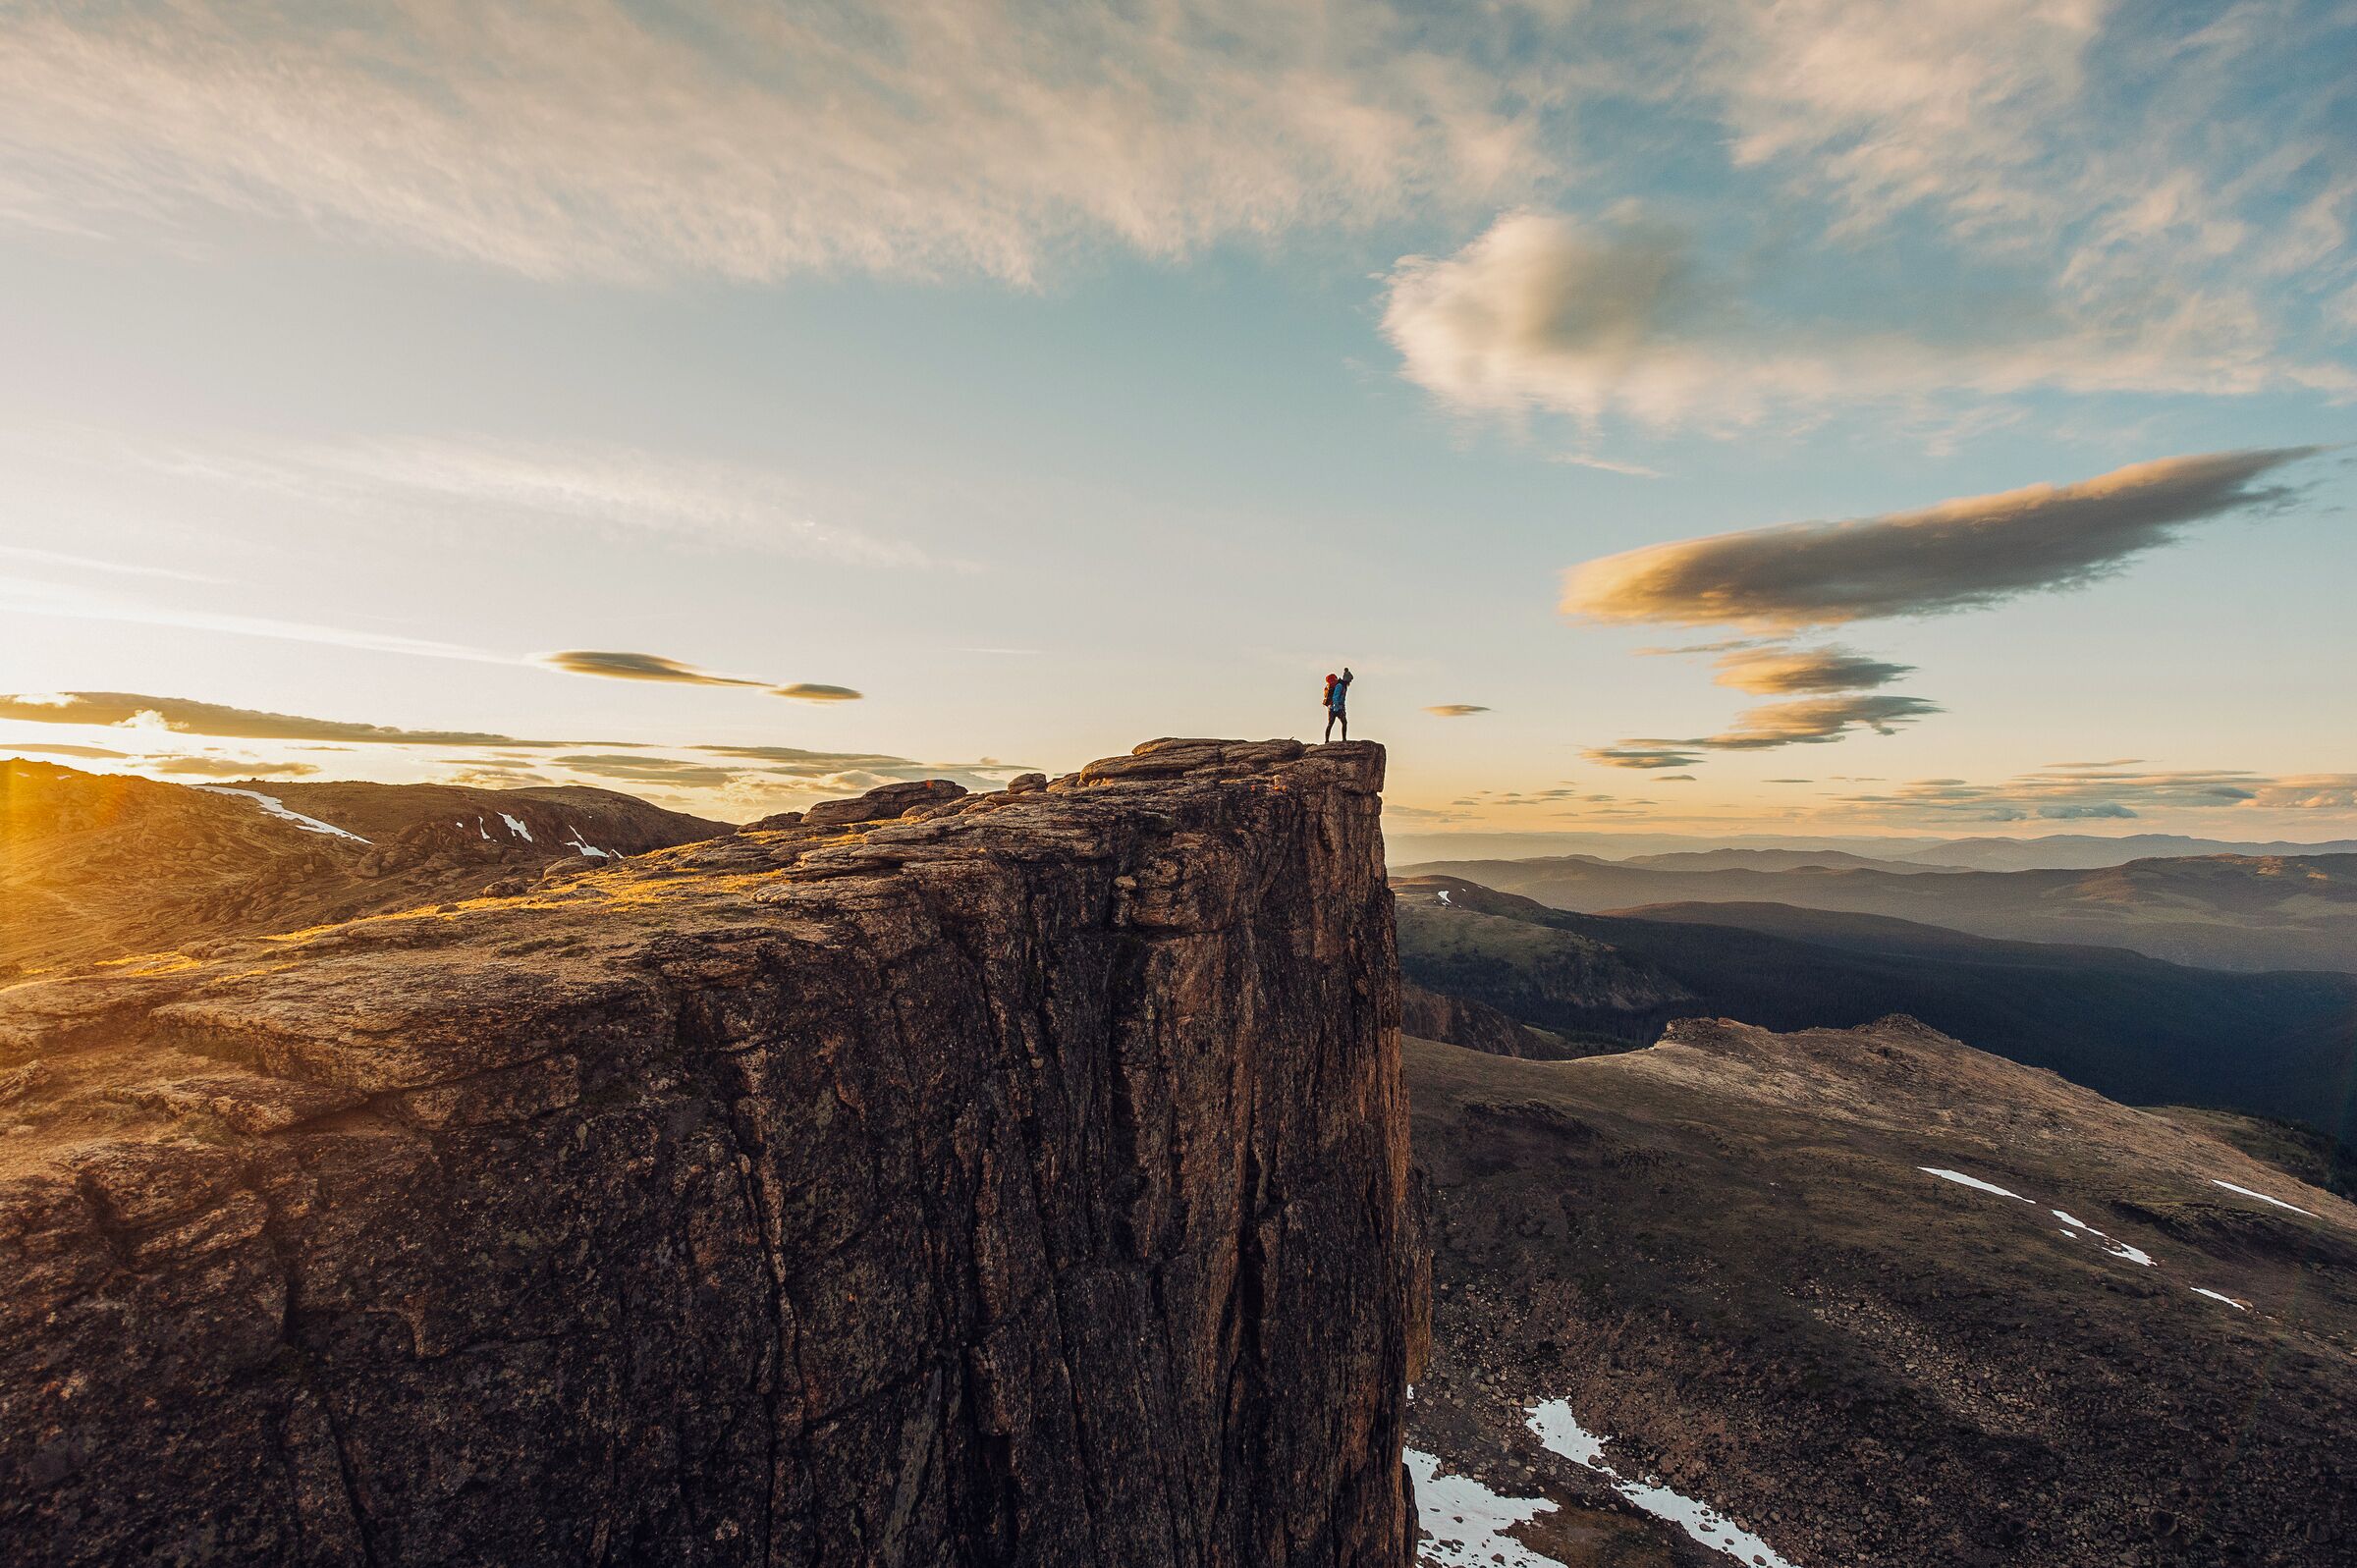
1021,1180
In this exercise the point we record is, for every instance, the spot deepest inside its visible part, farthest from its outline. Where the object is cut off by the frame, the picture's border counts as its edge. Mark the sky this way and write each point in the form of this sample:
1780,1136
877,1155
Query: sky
1818,416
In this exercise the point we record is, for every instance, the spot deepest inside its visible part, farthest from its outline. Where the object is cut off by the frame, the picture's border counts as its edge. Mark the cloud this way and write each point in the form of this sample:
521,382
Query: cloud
1778,671
95,752
1455,710
566,488
230,768
183,716
812,691
1644,754
32,597
127,568
759,142
1808,722
1960,554
1814,721
1544,313
647,770
792,760
2103,790
617,666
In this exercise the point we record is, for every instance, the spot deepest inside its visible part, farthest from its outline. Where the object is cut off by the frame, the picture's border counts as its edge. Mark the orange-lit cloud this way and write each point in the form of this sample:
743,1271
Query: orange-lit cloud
616,664
1775,671
184,716
1455,710
229,768
619,665
1960,554
1812,720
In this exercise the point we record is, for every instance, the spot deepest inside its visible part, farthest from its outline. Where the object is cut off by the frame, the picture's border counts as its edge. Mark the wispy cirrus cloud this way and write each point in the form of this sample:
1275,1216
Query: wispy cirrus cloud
1455,710
568,487
1964,554
589,139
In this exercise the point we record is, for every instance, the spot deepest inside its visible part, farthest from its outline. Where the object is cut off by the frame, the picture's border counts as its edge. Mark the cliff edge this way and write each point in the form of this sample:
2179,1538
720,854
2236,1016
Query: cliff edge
1019,1179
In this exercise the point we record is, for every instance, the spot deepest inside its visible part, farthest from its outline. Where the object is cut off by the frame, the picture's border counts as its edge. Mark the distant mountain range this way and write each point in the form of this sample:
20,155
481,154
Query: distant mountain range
2062,851
98,866
2134,1028
2252,912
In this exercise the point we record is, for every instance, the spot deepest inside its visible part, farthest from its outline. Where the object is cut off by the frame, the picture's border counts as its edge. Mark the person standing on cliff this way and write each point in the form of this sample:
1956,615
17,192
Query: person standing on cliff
1338,691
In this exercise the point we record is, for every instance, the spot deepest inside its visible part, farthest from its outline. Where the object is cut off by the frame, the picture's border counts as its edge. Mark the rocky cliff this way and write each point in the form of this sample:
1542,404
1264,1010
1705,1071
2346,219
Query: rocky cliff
1019,1180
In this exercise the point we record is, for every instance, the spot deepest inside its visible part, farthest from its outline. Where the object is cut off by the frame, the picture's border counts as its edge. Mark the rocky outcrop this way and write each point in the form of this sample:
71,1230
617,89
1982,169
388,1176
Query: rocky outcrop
1023,1182
1477,1026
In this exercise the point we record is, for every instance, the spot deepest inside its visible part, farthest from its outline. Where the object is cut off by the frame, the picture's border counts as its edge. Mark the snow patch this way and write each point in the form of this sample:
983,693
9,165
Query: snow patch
1464,1523
479,828
2117,1249
278,808
1972,1181
1556,1427
2238,1306
586,848
2261,1197
515,826
1444,898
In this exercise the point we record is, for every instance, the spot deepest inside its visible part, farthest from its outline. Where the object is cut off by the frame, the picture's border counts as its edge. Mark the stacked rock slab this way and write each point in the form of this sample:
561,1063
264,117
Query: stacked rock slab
1020,1180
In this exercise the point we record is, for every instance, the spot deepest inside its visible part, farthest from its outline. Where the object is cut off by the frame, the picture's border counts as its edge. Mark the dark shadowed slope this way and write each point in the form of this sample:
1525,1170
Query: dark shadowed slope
2137,1029
1723,1256
97,866
2218,912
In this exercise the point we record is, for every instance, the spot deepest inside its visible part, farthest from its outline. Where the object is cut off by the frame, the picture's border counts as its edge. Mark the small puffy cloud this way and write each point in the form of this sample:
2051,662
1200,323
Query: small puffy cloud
230,768
183,716
619,665
813,691
1770,671
1455,710
1544,312
1959,555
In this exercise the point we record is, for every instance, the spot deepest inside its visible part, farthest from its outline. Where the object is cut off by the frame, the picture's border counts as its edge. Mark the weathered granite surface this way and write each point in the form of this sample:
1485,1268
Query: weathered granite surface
1022,1180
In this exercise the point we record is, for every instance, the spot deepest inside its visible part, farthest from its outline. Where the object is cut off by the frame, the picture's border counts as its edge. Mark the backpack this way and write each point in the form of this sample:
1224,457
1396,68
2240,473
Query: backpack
1331,684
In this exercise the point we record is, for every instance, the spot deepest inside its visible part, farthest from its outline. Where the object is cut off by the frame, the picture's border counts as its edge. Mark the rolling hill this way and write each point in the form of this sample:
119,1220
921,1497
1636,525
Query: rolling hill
2137,1029
99,866
1870,1298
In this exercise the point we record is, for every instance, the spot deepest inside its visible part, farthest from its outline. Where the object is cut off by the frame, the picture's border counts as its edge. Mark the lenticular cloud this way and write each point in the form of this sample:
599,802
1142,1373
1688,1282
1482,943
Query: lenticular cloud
1959,554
